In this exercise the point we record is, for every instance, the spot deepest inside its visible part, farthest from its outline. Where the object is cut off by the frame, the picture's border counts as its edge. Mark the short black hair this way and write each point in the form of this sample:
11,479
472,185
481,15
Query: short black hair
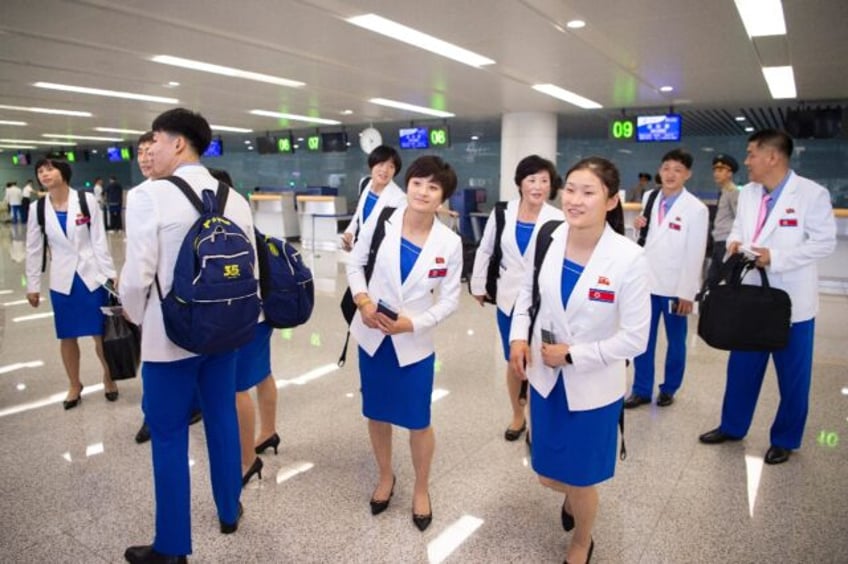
382,154
187,123
774,138
433,166
63,166
146,137
605,171
645,176
680,155
533,164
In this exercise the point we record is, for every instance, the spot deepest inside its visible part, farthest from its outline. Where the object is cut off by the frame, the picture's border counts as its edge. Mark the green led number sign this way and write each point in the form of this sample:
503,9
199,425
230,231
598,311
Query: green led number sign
313,142
439,137
125,154
284,145
622,129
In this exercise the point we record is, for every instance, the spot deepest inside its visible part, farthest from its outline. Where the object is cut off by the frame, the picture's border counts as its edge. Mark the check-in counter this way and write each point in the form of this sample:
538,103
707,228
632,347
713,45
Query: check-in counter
319,219
274,214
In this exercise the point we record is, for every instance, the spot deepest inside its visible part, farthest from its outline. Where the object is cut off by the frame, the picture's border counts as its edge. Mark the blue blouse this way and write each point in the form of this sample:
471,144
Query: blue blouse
571,272
523,233
62,216
408,255
370,202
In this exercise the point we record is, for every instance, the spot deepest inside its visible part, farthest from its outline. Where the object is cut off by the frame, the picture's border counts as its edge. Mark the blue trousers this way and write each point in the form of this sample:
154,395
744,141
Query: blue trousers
170,389
675,357
794,366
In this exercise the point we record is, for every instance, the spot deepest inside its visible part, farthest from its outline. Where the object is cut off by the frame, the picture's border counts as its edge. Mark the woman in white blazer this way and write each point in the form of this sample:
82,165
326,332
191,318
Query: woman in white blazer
380,192
80,264
594,312
414,287
534,177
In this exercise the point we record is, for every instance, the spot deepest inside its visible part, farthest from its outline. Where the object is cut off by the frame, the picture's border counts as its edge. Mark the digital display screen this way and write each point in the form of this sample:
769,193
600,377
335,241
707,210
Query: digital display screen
118,154
313,143
21,159
622,130
285,144
265,145
334,142
658,128
215,149
414,138
440,136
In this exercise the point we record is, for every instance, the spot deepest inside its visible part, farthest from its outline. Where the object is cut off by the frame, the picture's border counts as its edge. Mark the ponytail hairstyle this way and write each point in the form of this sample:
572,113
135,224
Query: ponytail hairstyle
608,174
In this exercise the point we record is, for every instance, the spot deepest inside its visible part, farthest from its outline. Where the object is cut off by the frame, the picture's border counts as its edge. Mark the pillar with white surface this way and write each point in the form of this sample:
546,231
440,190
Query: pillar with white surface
523,134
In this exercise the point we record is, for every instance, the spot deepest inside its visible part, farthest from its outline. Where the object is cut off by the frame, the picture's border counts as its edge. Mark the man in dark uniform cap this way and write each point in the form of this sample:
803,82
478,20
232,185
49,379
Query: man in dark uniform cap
724,167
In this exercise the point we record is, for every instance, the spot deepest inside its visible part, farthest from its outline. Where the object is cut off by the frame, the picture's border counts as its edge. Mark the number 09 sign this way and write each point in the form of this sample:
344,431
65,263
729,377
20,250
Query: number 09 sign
622,130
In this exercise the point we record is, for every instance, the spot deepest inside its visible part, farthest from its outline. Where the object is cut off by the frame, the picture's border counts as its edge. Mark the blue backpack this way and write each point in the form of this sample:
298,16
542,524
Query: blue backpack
288,292
213,305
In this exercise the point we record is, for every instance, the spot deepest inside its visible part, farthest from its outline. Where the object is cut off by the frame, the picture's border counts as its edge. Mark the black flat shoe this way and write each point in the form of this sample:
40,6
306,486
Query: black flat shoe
515,434
716,436
566,518
227,528
143,434
271,442
777,455
423,521
72,403
378,506
111,396
255,468
635,401
664,399
146,555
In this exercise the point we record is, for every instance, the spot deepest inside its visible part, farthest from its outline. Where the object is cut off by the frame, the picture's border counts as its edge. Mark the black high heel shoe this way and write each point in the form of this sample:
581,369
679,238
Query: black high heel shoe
72,403
423,521
272,441
378,506
111,396
588,555
255,468
230,528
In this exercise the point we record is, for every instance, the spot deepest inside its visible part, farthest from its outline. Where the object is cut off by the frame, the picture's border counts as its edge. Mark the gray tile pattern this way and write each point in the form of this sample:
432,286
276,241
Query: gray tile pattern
673,500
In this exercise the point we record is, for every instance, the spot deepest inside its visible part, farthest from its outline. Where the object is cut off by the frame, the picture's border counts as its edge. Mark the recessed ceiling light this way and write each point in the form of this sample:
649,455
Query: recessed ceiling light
749,129
247,141
173,83
106,93
39,142
295,117
346,112
707,149
410,107
250,147
300,138
666,88
119,130
230,129
762,17
567,96
46,111
575,24
475,137
10,122
410,36
740,118
225,71
82,137
781,82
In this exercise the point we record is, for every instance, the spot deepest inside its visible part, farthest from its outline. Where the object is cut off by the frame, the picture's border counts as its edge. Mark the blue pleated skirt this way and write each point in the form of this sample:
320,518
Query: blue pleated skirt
253,361
574,447
395,394
78,313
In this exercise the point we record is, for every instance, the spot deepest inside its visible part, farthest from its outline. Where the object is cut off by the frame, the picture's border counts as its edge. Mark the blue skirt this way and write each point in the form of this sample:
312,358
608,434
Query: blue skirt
78,313
504,325
253,360
395,394
577,448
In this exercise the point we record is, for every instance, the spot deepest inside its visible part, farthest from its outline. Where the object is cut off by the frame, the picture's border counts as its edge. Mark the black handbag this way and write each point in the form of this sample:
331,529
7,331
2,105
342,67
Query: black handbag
121,346
741,317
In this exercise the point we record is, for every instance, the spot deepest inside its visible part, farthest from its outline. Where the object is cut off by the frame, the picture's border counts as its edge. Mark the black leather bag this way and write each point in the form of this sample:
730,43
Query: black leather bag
121,346
742,317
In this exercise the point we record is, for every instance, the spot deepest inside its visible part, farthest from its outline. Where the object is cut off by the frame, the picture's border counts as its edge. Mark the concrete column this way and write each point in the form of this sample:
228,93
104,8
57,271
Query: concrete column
523,134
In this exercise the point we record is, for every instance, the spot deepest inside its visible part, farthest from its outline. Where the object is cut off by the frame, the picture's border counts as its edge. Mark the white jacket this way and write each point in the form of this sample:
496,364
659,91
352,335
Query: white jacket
799,230
158,218
601,333
82,251
438,268
513,264
391,196
675,250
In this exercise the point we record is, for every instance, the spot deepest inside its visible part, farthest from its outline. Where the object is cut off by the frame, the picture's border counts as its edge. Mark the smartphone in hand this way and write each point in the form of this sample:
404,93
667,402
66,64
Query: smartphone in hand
548,337
388,311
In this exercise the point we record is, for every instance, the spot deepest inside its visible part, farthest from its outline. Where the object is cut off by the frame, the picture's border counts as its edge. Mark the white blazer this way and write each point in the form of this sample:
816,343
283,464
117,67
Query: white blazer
81,251
675,250
391,196
601,333
799,230
439,267
513,264
158,218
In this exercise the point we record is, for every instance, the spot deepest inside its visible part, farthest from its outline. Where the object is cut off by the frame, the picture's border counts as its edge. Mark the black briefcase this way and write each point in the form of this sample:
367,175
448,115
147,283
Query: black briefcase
742,317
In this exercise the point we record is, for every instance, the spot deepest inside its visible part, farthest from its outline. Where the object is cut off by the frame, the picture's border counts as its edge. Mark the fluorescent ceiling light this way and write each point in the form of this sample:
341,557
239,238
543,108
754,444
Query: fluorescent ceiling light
567,96
16,146
10,122
46,111
82,137
39,142
575,24
740,118
781,82
762,17
225,71
231,129
400,32
119,130
295,117
749,129
410,107
666,88
106,93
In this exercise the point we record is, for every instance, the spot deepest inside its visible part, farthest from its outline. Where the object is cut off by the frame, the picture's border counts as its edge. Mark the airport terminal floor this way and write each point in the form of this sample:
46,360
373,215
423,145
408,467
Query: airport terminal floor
77,488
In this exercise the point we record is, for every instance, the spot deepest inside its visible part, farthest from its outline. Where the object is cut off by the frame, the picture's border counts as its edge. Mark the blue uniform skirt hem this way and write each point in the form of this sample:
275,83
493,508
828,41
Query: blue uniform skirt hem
78,314
253,361
395,394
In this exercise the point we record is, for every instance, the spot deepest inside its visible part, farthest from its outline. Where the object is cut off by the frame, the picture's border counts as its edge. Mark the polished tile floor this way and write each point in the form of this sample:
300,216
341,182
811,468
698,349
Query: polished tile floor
76,488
